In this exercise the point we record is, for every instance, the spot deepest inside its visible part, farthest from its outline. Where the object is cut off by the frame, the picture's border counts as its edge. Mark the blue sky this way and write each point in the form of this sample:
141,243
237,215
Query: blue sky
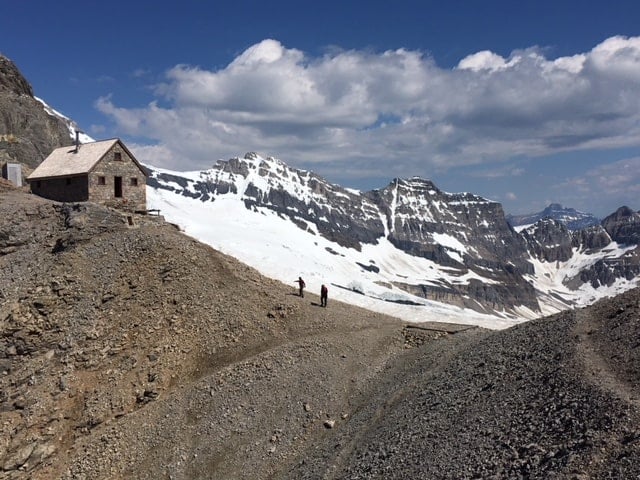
525,103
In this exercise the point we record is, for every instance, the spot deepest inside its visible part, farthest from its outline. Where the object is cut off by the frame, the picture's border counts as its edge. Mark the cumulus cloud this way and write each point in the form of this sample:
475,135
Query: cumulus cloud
390,112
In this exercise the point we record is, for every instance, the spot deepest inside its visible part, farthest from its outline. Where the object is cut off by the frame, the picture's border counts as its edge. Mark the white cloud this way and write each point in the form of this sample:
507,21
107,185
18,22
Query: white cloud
392,112
614,184
484,60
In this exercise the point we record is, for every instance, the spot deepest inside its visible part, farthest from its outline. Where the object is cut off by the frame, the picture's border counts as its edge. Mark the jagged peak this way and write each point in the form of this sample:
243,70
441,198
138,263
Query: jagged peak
546,223
11,78
623,212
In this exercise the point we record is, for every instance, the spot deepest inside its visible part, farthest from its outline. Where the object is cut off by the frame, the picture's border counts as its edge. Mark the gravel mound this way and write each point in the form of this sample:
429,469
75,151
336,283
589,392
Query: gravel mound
553,398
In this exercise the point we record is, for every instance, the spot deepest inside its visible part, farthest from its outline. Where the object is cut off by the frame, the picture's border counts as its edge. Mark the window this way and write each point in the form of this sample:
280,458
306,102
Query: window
117,156
68,181
134,181
38,184
102,181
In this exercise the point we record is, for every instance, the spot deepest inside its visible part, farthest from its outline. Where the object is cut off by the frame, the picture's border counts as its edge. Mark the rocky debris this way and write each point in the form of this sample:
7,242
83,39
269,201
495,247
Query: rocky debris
553,398
110,333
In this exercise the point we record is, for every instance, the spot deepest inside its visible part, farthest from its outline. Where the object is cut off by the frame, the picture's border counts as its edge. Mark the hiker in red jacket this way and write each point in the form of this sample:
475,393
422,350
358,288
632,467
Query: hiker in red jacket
301,285
324,293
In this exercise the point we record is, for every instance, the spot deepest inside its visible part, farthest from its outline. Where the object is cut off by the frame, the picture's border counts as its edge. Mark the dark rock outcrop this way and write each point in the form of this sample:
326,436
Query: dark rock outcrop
592,238
623,226
28,133
549,240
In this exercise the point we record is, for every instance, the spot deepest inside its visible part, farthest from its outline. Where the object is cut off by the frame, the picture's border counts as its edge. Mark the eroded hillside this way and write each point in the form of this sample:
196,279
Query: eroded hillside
116,335
129,350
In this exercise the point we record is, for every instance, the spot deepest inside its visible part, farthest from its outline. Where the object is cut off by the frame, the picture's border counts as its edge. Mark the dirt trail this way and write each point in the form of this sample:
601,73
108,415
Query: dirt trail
600,371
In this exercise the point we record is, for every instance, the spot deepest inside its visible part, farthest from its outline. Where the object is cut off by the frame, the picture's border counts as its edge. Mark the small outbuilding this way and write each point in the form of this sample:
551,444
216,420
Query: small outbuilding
13,173
103,172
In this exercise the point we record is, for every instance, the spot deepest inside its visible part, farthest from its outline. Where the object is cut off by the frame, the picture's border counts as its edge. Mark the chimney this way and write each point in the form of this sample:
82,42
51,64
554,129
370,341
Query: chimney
78,132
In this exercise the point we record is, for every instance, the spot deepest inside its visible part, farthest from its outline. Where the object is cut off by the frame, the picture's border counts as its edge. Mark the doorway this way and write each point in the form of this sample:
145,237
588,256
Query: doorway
117,187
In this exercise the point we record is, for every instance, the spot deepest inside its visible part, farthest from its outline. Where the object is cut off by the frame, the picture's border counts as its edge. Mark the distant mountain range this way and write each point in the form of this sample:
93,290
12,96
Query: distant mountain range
573,219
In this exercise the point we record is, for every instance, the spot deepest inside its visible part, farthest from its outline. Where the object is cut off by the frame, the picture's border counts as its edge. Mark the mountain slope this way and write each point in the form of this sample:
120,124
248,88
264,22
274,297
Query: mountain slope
105,325
408,249
552,398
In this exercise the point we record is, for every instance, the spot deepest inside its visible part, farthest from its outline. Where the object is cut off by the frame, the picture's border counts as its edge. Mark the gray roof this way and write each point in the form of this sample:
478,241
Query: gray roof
66,162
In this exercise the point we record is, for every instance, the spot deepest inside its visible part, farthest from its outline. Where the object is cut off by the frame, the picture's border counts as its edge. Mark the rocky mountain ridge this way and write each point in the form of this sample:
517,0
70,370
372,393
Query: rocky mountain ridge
460,233
411,214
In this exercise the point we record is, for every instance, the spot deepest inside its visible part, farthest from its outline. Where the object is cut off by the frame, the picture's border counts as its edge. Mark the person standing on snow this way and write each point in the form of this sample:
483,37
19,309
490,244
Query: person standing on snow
324,293
301,286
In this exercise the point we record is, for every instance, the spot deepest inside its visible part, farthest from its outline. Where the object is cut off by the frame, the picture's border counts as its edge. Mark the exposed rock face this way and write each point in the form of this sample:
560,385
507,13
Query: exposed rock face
613,258
27,132
417,213
549,240
12,80
591,238
623,226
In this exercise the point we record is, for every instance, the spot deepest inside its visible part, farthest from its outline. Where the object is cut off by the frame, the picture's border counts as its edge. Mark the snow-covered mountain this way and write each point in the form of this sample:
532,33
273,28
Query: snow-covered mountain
572,218
408,249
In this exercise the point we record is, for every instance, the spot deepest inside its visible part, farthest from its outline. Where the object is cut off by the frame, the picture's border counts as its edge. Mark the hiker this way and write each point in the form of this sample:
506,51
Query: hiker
301,285
324,292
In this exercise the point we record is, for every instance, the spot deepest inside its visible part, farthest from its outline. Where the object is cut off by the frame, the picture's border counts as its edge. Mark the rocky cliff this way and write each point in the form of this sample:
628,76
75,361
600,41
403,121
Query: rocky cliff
28,133
623,226
599,256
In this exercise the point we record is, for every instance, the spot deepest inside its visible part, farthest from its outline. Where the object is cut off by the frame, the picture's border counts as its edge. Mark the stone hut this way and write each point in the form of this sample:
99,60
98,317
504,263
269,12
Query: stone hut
103,172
